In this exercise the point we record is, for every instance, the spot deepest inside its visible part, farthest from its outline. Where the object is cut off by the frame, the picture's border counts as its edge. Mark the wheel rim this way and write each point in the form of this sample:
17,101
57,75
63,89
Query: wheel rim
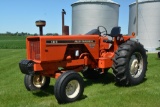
39,81
72,89
136,65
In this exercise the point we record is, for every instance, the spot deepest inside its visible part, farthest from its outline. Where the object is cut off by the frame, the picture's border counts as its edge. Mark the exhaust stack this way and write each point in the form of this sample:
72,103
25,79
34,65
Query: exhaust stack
65,29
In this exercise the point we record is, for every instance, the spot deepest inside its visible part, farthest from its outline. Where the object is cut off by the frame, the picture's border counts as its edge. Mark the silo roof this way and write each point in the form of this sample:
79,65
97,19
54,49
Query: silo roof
142,1
94,0
88,1
146,0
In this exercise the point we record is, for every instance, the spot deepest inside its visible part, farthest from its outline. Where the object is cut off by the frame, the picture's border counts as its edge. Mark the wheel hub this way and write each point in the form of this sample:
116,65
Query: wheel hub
136,65
39,81
72,89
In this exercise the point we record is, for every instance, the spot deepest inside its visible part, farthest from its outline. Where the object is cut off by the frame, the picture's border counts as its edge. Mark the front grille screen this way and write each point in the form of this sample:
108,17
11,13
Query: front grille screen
34,50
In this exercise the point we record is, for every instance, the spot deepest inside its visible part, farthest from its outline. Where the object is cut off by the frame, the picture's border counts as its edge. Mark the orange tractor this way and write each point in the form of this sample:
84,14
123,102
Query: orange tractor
62,57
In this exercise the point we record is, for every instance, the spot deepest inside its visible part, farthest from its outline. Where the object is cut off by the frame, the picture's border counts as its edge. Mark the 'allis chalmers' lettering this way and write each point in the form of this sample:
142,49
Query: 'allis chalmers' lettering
68,41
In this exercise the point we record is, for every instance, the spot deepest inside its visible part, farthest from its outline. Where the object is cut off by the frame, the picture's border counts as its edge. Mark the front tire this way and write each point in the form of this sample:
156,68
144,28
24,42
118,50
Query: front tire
130,63
69,87
36,82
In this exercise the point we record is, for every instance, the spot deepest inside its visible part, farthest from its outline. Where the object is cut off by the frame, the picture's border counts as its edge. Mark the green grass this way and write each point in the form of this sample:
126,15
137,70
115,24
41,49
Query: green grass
100,93
12,42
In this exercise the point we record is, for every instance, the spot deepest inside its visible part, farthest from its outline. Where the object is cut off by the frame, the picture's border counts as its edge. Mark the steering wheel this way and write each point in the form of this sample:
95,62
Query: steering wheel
102,32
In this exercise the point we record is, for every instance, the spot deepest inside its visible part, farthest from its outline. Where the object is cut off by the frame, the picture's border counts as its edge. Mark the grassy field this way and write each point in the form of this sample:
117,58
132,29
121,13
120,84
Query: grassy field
100,93
12,42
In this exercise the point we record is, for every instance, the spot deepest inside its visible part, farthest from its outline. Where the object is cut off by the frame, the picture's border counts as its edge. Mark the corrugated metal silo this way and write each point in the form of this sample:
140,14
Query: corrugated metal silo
148,23
89,14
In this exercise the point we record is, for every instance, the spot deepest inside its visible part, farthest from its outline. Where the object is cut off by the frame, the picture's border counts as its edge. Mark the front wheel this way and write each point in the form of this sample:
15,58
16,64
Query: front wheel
69,87
36,82
130,63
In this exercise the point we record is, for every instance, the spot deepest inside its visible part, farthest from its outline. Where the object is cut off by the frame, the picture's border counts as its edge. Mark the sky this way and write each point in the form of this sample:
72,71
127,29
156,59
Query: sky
20,15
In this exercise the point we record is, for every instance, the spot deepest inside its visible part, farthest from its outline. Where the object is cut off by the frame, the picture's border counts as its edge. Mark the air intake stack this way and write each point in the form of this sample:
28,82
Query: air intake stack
40,24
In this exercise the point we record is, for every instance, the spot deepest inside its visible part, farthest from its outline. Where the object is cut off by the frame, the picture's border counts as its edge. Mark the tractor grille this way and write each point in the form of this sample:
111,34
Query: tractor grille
34,47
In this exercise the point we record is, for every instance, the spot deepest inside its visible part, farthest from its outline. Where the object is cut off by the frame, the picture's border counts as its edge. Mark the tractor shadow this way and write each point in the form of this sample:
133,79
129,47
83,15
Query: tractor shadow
50,92
118,85
107,78
104,79
44,93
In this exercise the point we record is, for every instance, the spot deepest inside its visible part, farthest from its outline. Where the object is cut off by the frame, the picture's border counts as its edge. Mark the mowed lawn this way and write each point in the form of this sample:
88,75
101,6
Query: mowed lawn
97,93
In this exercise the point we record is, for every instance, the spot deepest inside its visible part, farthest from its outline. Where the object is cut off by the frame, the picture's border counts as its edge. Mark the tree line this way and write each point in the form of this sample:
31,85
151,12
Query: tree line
24,34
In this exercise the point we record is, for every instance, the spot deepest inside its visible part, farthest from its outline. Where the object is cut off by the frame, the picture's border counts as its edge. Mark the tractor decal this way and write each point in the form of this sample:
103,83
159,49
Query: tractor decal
69,41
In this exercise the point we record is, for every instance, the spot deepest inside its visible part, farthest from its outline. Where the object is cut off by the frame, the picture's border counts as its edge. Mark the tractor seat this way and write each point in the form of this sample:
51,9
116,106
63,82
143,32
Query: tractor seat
115,32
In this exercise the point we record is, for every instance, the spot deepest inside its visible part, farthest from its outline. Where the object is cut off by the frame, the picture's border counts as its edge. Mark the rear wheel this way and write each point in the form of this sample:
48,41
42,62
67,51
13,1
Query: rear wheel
36,82
130,63
69,87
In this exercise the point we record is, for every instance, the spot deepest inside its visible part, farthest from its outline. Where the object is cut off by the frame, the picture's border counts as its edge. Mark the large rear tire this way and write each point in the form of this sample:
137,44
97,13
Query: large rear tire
130,63
69,87
36,82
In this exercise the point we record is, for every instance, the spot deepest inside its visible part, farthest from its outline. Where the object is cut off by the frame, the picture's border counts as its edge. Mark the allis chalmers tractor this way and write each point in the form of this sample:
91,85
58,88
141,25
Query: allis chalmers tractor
92,54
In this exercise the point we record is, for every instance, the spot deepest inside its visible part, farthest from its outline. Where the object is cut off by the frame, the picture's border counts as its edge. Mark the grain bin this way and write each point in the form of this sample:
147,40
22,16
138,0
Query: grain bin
148,23
89,14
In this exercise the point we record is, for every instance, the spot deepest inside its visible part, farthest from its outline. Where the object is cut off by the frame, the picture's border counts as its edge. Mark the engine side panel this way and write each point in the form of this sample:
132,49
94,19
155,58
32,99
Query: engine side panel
53,48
